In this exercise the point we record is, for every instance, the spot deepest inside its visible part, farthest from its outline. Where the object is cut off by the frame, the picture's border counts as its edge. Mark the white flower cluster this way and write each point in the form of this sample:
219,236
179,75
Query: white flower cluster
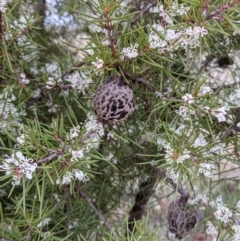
200,197
45,222
130,52
91,138
200,142
234,97
98,64
17,32
171,173
188,99
171,156
112,158
206,168
168,40
70,176
211,230
8,112
177,9
23,78
222,213
3,5
18,166
217,112
236,229
73,224
80,83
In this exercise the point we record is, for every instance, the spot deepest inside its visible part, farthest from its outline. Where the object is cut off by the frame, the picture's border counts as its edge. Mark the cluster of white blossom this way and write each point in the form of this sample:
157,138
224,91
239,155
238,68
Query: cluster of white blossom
172,156
200,197
220,113
71,176
236,229
130,52
206,168
98,64
73,224
18,166
171,173
211,230
3,4
45,222
9,113
112,158
166,38
80,83
177,9
17,32
24,79
184,110
222,213
45,234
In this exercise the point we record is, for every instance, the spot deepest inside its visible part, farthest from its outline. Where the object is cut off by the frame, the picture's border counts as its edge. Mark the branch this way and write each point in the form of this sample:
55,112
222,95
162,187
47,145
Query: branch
100,216
144,11
73,69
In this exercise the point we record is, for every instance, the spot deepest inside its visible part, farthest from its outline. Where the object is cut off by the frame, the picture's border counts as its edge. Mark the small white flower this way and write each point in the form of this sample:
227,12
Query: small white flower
158,94
80,175
74,132
200,197
45,234
18,166
50,83
76,155
220,113
106,42
223,213
24,79
211,230
55,195
67,178
112,158
172,174
130,52
45,222
236,229
188,98
80,83
73,224
205,90
98,64
200,142
206,168
183,157
183,112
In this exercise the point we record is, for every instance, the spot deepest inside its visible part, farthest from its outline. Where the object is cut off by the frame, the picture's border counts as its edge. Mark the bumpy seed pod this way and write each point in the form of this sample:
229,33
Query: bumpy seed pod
113,100
181,218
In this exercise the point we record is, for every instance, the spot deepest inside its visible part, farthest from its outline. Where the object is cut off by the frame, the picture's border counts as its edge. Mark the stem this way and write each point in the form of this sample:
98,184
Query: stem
144,11
100,216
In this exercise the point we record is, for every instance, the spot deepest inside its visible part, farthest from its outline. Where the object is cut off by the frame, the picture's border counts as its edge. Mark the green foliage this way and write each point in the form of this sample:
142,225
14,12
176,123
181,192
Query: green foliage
67,175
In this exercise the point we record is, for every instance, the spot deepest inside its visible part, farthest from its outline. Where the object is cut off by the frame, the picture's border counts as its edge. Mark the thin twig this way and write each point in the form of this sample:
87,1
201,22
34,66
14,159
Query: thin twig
100,216
48,158
73,69
144,11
